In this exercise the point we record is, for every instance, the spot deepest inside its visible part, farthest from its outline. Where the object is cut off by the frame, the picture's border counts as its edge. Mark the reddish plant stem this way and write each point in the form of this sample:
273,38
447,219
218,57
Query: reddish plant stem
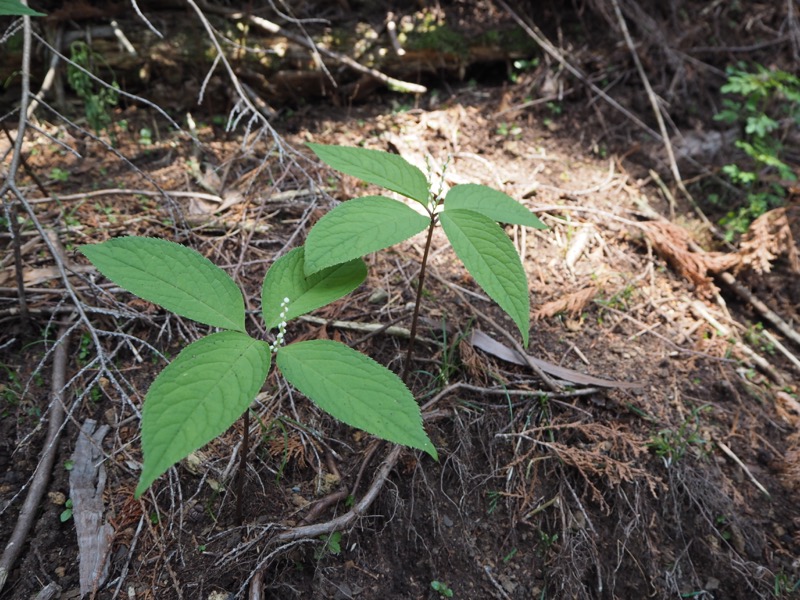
415,318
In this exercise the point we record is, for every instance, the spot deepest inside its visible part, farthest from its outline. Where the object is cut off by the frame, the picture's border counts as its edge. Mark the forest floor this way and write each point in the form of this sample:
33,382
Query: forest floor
680,482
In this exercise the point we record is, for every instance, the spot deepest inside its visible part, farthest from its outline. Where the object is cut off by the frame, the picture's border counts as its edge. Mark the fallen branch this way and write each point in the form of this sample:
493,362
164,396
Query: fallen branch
747,472
41,476
762,308
392,83
762,363
347,519
340,523
369,328
537,36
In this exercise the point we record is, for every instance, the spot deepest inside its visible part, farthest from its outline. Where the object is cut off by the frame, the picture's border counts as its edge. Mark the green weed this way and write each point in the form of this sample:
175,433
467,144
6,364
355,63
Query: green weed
673,444
331,545
765,104
97,98
442,588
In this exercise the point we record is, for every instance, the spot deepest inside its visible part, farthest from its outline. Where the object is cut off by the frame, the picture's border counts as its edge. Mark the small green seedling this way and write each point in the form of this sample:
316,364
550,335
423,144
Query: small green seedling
443,589
332,544
66,514
213,380
59,174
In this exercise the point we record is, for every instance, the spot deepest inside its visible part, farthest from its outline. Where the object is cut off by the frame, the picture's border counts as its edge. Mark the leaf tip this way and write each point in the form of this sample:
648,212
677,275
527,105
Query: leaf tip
430,449
141,487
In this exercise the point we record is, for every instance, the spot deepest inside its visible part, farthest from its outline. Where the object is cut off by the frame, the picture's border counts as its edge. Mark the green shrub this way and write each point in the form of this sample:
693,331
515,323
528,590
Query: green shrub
765,104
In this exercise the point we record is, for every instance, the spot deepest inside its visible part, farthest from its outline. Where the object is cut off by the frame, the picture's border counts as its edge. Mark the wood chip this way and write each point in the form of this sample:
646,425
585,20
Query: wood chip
87,480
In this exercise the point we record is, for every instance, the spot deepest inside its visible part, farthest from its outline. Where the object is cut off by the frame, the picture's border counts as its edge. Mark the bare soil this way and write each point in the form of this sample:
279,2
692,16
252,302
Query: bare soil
683,487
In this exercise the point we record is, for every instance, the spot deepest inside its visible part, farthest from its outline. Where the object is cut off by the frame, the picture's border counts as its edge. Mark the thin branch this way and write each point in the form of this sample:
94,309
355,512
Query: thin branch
536,34
347,519
274,28
42,475
651,96
766,312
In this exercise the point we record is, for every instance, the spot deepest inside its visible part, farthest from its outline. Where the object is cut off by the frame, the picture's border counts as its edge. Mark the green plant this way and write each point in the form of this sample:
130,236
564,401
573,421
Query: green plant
494,497
58,174
721,523
783,586
672,444
331,545
765,104
520,66
84,348
145,137
506,130
754,336
213,380
97,98
547,541
442,588
66,514
619,300
11,391
555,108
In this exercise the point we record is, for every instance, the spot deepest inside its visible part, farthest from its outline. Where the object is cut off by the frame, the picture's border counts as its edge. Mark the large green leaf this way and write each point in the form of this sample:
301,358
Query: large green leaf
15,8
286,279
491,203
356,390
491,259
358,227
198,396
373,166
173,276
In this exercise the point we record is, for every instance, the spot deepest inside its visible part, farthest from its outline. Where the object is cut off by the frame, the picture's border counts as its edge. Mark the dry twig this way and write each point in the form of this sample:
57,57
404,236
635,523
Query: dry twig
42,474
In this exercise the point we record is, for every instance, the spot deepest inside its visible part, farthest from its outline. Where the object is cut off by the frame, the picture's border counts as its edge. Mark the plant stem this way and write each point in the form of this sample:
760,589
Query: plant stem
242,467
415,318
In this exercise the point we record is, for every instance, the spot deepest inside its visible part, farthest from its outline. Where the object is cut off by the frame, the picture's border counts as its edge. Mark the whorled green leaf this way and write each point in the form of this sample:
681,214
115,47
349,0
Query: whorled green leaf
491,203
373,166
356,390
176,277
491,259
358,227
286,279
16,8
198,396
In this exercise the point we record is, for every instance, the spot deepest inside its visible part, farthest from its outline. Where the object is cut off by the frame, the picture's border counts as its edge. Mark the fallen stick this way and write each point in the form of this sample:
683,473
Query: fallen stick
41,476
762,308
722,446
393,84
784,350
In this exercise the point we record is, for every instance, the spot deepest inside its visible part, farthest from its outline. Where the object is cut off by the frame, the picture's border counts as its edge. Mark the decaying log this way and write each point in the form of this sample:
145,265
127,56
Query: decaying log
277,67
